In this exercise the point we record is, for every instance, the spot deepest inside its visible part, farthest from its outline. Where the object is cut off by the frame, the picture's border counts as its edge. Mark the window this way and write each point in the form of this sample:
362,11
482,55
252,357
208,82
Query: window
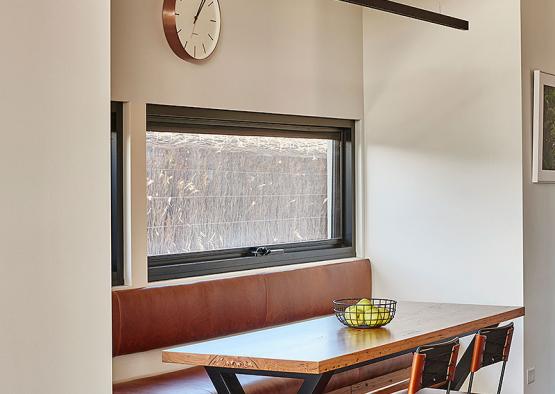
230,191
116,159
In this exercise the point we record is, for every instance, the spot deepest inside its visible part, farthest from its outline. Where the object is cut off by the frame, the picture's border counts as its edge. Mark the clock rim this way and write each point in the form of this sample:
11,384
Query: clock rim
172,37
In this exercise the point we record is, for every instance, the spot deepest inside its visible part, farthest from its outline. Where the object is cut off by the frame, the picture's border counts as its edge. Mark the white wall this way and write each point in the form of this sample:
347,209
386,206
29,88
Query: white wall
443,144
55,334
538,53
278,56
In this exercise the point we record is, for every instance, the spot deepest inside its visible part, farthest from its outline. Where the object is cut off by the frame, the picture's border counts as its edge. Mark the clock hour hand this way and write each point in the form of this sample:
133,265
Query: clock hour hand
199,10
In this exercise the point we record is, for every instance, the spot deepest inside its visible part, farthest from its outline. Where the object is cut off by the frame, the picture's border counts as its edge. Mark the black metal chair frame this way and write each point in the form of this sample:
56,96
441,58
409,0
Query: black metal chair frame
494,348
434,365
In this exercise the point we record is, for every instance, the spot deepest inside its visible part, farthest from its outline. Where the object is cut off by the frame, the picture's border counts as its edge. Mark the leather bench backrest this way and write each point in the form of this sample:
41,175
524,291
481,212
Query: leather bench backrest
157,317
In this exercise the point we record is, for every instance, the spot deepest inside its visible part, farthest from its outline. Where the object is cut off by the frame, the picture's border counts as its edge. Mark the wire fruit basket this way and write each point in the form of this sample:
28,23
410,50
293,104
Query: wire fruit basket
364,312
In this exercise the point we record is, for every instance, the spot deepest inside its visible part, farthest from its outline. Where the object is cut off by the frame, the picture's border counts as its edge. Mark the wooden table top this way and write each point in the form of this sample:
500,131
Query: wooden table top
323,344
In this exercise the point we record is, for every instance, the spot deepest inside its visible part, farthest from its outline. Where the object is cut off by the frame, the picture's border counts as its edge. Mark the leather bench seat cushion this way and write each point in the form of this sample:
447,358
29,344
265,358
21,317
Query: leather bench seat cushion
195,380
166,316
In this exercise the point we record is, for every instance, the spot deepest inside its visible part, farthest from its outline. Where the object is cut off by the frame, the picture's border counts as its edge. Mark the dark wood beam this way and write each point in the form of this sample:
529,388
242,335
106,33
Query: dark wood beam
412,12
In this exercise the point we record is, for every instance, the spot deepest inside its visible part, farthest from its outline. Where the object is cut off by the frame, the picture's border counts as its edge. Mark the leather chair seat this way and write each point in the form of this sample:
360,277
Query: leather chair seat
195,380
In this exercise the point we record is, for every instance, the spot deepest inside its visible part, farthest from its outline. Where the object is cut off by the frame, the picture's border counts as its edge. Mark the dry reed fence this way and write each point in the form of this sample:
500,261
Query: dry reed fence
208,192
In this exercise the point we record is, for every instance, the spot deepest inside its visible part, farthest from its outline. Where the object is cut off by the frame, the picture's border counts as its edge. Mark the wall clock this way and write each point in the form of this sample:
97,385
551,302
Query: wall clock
192,27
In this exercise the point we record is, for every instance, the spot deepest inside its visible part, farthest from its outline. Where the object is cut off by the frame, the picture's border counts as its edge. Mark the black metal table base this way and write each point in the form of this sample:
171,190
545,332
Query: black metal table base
226,382
463,368
315,383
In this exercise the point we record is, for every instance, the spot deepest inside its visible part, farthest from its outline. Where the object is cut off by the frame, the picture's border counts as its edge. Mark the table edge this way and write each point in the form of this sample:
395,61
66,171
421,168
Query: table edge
319,367
464,329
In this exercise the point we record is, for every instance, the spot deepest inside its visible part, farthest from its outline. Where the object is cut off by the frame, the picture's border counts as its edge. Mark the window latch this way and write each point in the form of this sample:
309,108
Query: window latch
263,251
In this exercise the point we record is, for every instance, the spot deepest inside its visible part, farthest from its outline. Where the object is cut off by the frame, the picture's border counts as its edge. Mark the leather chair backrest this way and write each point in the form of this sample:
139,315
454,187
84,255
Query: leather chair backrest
156,317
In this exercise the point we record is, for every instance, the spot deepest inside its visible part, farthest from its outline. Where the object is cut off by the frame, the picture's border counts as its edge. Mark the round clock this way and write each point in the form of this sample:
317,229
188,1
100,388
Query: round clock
192,27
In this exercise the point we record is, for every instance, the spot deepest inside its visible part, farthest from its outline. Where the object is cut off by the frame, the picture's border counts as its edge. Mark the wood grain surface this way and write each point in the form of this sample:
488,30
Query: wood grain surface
323,344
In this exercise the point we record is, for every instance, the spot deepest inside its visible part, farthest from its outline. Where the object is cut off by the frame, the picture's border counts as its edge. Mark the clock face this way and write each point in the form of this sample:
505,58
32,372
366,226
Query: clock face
192,27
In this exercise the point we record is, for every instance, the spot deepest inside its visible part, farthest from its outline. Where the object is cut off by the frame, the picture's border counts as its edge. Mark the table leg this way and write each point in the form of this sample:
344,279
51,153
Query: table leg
463,367
315,384
224,382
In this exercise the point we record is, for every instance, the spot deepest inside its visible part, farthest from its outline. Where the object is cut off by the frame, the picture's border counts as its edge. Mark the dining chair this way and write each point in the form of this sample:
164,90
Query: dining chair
491,346
433,366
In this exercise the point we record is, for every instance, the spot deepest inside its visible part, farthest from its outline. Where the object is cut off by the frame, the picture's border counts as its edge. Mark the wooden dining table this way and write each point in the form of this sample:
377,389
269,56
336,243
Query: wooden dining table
313,350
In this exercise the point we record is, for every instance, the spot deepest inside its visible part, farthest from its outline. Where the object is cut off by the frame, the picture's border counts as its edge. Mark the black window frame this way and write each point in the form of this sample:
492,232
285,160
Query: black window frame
163,118
116,182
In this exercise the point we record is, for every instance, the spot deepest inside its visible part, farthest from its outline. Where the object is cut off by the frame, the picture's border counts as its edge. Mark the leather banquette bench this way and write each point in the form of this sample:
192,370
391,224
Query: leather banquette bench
168,316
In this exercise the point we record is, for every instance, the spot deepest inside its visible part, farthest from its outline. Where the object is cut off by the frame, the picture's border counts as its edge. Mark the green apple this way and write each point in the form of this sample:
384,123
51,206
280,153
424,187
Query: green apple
354,315
364,301
377,316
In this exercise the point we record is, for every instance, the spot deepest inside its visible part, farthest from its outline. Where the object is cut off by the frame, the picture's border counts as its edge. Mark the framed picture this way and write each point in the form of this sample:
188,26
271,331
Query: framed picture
544,128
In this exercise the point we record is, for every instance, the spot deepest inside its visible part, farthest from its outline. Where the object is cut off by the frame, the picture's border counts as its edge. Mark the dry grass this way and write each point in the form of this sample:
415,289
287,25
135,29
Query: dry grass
208,192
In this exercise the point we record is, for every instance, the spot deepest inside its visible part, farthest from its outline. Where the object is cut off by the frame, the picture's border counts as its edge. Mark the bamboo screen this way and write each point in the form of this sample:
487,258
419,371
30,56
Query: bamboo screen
209,192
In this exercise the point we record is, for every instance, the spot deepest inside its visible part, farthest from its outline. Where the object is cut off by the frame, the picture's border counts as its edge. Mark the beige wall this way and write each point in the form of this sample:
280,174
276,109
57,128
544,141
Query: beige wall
275,56
443,150
538,53
55,334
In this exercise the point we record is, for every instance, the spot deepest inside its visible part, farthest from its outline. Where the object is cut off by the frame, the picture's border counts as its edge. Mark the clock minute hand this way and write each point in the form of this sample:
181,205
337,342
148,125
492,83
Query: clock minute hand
199,10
